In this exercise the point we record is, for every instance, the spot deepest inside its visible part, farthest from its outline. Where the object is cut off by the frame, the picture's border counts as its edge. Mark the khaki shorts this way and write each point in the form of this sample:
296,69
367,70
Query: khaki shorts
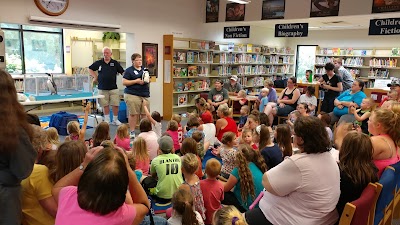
134,104
111,97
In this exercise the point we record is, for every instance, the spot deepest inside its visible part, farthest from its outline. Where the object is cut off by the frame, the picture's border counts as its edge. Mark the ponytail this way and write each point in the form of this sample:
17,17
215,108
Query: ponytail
182,202
188,215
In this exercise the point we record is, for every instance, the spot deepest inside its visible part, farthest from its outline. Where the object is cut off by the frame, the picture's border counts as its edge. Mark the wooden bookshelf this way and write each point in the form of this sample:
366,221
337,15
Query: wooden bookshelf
196,64
367,64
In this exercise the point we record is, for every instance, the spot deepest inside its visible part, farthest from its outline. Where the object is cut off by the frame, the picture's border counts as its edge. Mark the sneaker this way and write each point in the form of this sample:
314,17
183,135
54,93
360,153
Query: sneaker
132,135
116,122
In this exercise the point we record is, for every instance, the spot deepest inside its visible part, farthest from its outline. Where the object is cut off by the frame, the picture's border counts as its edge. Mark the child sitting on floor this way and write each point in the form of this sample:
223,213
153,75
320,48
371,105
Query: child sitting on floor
154,118
122,138
183,210
244,113
74,132
212,189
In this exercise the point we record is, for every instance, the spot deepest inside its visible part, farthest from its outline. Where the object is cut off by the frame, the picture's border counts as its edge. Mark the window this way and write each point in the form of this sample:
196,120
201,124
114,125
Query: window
305,60
33,49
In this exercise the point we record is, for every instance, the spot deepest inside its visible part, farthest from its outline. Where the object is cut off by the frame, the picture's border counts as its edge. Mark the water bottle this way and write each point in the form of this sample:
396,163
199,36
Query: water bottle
95,91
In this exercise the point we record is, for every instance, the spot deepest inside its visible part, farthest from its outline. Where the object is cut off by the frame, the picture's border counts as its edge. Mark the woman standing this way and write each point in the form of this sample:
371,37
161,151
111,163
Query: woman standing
331,85
225,123
384,125
311,186
17,155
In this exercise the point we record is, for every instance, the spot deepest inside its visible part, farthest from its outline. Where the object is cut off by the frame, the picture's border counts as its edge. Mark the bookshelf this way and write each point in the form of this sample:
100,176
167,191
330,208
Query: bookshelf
193,66
367,64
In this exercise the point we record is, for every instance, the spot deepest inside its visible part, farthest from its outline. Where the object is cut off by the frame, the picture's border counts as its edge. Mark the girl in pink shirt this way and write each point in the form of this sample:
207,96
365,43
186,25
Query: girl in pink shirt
141,155
172,130
122,138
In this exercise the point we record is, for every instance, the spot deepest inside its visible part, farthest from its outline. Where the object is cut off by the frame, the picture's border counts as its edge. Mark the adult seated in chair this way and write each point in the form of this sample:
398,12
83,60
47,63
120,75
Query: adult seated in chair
233,87
287,101
218,95
352,97
225,123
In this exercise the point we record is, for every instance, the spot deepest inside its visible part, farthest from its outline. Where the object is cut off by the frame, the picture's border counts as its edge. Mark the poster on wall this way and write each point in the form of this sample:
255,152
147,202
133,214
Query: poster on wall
380,6
322,8
212,11
150,58
273,9
235,12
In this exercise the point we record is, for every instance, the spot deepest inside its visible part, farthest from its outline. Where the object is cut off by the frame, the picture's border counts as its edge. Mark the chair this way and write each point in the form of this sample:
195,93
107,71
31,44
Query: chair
396,211
384,205
359,211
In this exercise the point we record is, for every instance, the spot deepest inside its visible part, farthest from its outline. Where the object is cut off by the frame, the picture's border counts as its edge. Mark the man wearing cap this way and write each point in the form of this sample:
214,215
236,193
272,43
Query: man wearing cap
166,167
394,85
233,87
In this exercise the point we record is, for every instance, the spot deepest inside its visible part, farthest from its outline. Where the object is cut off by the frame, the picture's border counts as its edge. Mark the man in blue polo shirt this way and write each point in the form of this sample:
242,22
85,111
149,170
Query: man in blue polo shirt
136,90
108,69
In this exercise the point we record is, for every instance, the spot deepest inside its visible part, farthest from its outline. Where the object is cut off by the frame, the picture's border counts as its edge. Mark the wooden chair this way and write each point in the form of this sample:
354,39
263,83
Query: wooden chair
396,212
359,211
384,205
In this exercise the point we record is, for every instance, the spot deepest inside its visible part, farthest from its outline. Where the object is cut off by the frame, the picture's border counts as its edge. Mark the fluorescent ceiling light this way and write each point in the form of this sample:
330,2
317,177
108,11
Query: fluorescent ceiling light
73,22
240,1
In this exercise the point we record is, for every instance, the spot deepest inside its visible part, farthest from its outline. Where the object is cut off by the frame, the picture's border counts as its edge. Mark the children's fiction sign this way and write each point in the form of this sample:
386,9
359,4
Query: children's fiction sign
237,32
389,26
291,30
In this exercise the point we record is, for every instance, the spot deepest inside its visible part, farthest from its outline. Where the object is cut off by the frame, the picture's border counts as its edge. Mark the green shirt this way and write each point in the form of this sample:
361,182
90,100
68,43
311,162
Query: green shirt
169,173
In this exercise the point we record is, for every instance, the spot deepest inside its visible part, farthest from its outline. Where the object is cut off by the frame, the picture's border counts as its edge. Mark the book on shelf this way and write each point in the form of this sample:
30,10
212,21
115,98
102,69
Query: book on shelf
375,62
240,48
182,99
190,57
325,51
180,57
336,51
192,71
379,73
203,45
363,52
180,72
249,48
257,49
203,57
349,51
211,45
265,49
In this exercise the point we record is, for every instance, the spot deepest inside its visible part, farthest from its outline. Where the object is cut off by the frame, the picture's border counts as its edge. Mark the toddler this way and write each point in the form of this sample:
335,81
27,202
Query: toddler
362,115
212,189
189,145
242,97
172,131
122,138
228,215
244,113
178,119
264,99
201,146
154,118
247,138
227,153
326,120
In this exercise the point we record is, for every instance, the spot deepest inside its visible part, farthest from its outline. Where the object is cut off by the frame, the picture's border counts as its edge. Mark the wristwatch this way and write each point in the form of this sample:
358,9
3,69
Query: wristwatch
81,167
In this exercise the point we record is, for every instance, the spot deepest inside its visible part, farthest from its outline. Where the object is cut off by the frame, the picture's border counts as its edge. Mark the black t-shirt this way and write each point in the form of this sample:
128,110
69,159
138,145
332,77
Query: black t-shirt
272,156
333,82
139,90
107,73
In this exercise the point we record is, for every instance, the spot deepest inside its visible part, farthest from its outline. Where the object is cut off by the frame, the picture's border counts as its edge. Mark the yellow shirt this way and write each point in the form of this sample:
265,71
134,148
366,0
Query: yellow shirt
35,188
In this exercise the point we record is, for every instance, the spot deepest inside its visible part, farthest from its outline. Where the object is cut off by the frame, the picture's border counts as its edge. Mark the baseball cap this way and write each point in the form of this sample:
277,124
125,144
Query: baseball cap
234,77
166,144
394,82
206,117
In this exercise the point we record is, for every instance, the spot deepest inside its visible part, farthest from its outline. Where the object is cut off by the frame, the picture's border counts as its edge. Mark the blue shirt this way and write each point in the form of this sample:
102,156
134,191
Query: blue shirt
132,73
348,97
108,72
257,181
242,120
263,103
272,156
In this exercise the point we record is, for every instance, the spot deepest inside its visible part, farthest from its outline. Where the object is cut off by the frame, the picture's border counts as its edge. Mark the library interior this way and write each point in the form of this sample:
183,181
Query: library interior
189,110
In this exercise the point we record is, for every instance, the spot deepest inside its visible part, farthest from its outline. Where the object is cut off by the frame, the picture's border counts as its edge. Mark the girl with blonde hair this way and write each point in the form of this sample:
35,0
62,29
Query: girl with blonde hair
141,155
73,129
228,215
52,136
246,178
122,138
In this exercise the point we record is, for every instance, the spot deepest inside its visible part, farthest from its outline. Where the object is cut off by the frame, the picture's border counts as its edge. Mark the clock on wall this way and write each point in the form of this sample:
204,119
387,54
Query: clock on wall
52,7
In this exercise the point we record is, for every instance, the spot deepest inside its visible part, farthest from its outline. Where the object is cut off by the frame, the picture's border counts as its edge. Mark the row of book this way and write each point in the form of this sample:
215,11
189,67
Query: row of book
192,85
379,73
353,61
279,59
383,62
191,71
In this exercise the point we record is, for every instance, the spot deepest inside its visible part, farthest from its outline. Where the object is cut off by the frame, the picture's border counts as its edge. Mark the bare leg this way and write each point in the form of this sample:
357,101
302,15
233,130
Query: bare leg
132,122
115,110
106,111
